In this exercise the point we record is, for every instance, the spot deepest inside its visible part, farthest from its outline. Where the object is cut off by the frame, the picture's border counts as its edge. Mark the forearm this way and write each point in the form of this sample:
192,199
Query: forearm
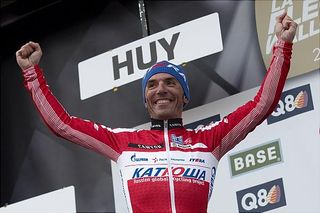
274,81
50,109
82,132
239,123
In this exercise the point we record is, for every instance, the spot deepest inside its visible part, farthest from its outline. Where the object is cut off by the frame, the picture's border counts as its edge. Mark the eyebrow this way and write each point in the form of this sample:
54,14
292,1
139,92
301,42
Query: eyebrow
165,79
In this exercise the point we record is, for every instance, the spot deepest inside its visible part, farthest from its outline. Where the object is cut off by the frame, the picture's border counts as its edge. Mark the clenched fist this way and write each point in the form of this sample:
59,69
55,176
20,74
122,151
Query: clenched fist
28,55
285,27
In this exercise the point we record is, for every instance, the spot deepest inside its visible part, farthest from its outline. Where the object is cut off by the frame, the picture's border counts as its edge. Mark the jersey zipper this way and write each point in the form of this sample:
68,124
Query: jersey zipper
171,186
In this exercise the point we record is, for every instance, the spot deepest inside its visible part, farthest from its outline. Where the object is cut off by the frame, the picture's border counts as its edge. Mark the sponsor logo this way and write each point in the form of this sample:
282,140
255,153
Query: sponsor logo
263,197
255,158
135,159
155,160
178,159
306,41
156,126
144,146
177,141
176,124
195,173
201,123
213,177
291,103
197,160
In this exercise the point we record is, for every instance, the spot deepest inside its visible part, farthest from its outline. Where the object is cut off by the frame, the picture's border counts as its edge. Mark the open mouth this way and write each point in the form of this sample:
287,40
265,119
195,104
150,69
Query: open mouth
162,101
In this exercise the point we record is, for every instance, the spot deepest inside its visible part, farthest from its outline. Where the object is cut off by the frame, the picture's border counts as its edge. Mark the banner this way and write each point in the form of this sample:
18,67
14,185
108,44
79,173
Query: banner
183,43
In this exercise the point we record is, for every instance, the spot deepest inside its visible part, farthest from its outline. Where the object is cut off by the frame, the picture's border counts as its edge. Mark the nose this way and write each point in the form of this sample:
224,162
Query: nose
161,89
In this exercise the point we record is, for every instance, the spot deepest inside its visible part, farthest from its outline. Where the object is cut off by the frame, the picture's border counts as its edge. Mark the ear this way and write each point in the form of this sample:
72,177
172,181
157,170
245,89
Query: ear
145,105
185,100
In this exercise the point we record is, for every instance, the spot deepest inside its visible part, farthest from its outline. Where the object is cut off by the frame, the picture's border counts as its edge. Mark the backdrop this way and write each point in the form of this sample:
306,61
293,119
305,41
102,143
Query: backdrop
34,161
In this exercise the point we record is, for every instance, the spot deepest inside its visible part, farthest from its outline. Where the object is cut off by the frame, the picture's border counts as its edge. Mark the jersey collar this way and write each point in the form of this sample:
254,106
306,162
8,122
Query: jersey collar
172,123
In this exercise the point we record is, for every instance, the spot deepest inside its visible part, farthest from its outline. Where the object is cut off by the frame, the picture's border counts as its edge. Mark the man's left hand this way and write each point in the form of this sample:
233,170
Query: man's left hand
285,27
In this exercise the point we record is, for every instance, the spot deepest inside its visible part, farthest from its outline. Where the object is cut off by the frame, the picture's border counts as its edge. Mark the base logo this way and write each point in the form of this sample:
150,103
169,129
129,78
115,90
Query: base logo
291,103
263,197
258,157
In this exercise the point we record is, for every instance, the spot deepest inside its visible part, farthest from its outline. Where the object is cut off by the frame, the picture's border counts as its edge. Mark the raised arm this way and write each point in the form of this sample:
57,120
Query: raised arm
82,132
235,127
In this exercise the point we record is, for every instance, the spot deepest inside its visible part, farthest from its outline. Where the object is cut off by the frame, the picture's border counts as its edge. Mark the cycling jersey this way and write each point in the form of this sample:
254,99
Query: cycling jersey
168,168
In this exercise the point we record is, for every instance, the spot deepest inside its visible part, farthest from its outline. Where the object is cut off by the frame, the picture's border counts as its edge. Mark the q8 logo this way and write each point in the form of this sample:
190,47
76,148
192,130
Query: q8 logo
291,103
263,197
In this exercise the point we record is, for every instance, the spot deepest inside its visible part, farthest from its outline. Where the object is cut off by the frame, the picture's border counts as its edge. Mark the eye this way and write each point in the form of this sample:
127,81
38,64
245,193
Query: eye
171,82
151,84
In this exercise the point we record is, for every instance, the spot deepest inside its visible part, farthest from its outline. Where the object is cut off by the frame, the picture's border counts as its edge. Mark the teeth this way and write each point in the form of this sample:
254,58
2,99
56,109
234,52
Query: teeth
162,101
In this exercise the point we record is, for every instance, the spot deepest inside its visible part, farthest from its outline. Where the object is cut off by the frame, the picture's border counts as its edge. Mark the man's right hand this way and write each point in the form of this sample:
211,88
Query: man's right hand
28,55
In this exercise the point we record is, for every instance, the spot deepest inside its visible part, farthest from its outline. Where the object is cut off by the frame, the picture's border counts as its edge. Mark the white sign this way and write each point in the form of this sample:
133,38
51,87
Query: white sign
186,42
62,201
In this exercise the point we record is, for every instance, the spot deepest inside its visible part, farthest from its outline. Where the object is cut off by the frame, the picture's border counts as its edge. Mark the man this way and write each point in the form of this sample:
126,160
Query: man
167,168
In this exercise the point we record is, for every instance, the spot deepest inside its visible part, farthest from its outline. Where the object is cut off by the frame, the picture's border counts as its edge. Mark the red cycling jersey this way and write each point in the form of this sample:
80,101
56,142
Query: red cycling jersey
168,168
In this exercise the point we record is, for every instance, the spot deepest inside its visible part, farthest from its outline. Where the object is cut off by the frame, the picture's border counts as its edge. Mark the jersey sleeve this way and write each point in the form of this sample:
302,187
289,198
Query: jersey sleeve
235,127
88,134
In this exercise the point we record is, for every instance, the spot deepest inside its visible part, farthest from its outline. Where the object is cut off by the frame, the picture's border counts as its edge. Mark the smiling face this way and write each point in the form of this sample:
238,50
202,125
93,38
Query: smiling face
164,97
